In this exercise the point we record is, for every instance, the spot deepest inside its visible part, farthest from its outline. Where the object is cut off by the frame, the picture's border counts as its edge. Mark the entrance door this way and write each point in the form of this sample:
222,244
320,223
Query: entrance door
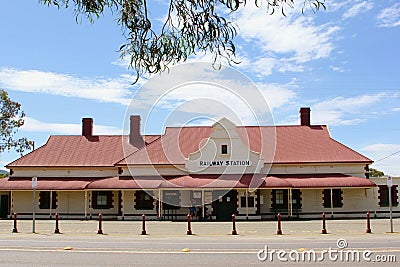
225,205
4,206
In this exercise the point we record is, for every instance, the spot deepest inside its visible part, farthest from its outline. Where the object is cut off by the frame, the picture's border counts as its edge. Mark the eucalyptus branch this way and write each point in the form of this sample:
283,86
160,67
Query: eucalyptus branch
191,26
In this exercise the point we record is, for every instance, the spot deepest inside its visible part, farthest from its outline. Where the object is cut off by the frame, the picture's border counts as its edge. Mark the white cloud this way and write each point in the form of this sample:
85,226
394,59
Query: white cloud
262,66
196,89
33,125
34,81
287,42
358,8
335,68
280,34
384,148
386,157
334,5
389,17
344,111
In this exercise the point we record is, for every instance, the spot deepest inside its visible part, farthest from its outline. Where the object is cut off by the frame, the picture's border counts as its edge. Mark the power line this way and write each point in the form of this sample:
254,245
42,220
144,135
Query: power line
388,156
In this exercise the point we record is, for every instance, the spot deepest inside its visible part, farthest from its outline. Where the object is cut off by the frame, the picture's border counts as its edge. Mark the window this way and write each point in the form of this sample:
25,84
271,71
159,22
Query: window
279,197
143,201
44,200
384,196
279,200
102,199
250,200
224,149
337,198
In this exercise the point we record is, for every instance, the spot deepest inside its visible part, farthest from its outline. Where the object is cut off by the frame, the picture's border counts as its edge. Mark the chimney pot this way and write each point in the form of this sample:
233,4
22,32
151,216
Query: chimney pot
135,138
87,127
305,116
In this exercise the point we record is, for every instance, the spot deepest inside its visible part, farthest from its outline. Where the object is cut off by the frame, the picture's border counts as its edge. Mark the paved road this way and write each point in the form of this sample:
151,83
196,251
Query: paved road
212,244
39,250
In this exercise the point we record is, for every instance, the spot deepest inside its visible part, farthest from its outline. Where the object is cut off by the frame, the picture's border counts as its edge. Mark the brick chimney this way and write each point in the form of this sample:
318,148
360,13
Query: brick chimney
305,119
135,138
87,127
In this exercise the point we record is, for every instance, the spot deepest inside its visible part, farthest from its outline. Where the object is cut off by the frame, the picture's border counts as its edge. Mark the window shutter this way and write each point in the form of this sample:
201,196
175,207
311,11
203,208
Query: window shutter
273,199
94,199
136,199
384,196
380,195
296,194
110,200
42,204
54,200
326,198
395,195
340,198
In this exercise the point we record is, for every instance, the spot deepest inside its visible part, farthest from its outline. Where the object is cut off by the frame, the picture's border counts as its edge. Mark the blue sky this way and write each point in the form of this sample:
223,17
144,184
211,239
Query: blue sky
342,62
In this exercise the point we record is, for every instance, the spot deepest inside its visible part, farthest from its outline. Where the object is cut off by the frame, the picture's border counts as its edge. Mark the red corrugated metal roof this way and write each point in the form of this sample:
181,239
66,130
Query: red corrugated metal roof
113,183
210,181
79,151
172,148
294,144
23,183
190,181
274,182
127,182
325,181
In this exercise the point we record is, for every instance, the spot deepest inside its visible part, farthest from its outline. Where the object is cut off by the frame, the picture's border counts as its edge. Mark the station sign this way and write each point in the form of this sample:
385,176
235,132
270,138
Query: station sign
224,163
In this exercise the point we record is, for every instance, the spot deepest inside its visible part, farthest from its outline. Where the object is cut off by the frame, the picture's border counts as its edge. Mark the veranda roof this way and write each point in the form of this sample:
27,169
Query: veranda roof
189,181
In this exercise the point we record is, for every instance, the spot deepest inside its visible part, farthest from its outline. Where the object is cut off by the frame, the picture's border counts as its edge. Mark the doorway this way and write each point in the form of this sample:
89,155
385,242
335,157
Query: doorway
225,204
4,207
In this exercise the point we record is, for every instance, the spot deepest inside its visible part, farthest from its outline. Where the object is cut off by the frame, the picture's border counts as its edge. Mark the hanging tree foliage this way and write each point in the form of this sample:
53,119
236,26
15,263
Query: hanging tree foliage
190,26
11,119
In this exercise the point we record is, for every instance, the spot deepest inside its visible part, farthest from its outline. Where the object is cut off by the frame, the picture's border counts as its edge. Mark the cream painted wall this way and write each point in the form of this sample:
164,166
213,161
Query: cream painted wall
22,201
356,199
69,202
148,170
265,206
383,180
350,169
312,200
224,133
128,204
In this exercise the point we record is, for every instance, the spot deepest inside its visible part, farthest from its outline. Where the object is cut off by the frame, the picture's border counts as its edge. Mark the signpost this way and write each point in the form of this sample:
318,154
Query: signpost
34,186
389,185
